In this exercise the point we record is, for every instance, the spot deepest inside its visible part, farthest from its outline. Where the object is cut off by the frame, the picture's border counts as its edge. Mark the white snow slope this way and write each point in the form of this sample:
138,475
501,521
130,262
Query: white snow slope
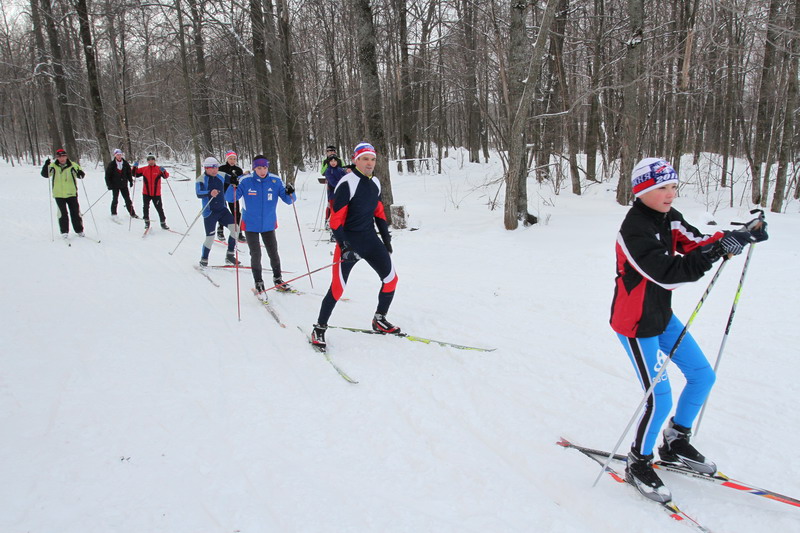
133,399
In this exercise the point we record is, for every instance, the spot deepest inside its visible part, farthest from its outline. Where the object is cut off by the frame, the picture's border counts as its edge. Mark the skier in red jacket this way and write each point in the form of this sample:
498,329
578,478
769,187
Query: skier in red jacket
151,189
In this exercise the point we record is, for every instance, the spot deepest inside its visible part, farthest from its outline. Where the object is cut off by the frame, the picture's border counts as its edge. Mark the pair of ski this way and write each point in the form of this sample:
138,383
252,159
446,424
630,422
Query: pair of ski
323,349
69,244
670,507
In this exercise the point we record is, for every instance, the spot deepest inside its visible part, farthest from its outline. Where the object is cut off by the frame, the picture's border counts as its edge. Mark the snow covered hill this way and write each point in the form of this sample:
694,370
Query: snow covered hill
133,399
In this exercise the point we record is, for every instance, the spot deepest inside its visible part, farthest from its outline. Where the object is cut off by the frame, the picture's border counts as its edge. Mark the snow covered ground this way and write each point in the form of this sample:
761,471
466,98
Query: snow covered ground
132,399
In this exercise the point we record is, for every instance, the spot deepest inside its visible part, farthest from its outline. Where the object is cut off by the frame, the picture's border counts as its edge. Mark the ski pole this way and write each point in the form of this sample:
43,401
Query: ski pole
133,197
94,220
308,268
319,209
727,331
95,202
238,292
176,201
300,276
192,224
657,377
50,201
730,316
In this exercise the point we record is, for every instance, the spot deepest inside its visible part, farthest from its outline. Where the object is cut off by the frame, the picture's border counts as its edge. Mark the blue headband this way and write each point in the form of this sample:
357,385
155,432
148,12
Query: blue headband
260,162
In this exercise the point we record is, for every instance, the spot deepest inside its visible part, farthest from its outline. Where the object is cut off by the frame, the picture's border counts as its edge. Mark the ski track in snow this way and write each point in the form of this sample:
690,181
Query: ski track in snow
133,399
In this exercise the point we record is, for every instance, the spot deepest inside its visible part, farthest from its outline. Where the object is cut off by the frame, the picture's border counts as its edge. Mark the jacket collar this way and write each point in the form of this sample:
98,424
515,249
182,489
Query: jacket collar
652,213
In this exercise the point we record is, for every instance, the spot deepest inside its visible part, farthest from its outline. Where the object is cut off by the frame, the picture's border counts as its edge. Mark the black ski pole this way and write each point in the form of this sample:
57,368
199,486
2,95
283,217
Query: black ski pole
192,224
730,316
176,201
95,202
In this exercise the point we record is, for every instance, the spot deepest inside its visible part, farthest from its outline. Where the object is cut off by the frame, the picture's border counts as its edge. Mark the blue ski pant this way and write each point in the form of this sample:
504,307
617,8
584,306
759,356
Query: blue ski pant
225,218
648,355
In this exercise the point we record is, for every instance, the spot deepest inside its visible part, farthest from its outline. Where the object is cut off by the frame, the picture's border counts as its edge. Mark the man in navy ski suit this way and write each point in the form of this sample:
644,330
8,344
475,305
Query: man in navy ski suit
209,188
355,212
261,191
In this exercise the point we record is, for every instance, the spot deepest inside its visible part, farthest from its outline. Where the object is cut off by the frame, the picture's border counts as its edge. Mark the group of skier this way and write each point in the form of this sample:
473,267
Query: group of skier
657,250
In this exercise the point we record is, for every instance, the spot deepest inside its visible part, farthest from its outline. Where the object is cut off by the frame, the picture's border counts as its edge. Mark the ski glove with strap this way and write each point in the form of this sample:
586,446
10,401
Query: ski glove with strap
289,189
348,255
732,243
758,229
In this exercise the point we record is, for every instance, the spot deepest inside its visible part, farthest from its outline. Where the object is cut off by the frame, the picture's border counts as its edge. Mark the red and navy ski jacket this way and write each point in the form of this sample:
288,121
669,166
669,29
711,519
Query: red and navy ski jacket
356,204
656,253
151,175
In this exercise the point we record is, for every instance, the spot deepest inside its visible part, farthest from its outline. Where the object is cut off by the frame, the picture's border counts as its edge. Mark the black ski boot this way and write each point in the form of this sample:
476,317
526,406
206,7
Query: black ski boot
164,226
242,237
318,336
640,474
203,262
220,235
230,259
260,287
676,449
381,325
146,224
281,286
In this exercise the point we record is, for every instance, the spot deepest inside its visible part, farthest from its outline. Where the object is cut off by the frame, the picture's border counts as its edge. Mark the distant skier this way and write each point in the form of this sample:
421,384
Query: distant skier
261,191
658,251
151,189
209,188
230,168
357,210
333,173
330,150
63,174
118,179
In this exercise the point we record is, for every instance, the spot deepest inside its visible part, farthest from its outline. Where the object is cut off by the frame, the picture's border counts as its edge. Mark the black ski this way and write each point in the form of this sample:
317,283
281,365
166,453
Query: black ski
271,310
324,352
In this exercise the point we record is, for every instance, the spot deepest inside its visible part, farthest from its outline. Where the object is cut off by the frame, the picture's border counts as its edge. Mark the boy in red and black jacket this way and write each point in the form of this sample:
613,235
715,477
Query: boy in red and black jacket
151,189
658,251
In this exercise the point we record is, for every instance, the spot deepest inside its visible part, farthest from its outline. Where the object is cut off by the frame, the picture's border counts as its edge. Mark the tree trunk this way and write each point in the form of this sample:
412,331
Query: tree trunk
571,123
784,155
408,112
294,138
187,82
371,96
516,138
630,112
686,33
43,79
265,126
766,94
60,80
473,123
201,82
94,82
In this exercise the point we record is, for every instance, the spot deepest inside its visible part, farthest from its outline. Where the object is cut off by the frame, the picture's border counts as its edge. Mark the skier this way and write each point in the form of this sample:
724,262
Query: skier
357,210
330,150
65,190
208,187
151,189
118,179
333,173
261,191
658,251
230,168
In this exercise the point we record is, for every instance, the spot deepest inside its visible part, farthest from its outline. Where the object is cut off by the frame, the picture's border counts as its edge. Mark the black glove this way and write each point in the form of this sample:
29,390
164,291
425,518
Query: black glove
81,174
289,189
758,229
348,255
388,245
234,180
734,241
731,243
47,161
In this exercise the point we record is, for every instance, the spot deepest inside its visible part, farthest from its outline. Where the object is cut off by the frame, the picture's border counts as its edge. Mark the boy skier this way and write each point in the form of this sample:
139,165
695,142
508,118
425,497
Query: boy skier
657,251
208,187
261,191
356,211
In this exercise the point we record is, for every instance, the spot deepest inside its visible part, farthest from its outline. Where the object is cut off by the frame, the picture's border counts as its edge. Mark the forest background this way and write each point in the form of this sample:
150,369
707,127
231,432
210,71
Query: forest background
532,83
